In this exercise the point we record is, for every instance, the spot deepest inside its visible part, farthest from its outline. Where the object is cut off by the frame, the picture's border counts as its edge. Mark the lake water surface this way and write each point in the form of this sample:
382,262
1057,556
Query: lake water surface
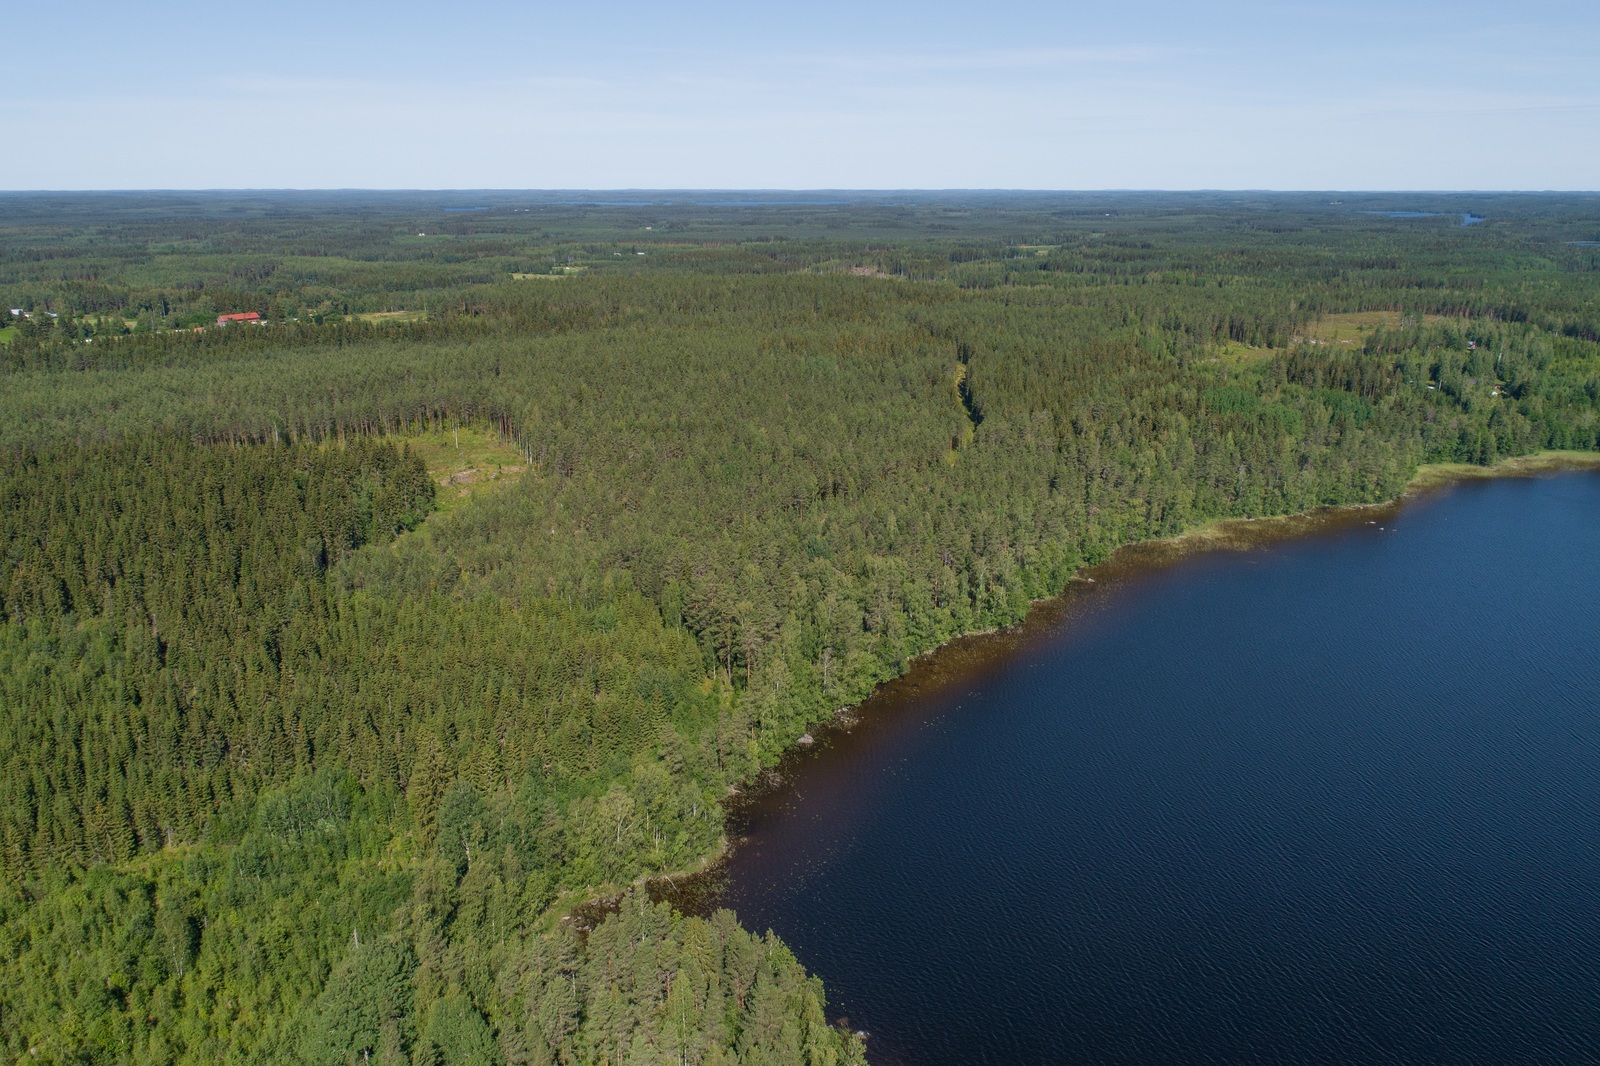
1467,218
1332,799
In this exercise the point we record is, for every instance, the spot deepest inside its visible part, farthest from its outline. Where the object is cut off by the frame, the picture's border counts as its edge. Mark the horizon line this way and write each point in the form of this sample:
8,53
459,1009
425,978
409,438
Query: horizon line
811,190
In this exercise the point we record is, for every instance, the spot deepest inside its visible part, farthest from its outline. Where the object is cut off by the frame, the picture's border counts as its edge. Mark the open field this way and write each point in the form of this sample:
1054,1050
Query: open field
1352,328
392,316
1238,354
465,461
1346,330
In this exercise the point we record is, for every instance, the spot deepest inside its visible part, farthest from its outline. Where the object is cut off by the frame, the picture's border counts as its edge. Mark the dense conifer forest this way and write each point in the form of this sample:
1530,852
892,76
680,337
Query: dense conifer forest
311,741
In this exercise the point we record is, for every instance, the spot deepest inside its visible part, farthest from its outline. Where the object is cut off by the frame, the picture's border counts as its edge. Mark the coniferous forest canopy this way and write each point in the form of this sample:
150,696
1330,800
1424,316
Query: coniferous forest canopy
308,744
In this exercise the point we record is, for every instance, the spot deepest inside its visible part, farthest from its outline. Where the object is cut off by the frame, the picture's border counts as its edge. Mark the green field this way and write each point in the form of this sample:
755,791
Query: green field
465,461
392,316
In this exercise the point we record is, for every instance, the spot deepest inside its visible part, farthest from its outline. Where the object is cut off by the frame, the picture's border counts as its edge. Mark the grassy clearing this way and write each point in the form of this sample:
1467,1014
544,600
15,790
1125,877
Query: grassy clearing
1350,330
392,316
464,462
1238,354
7,333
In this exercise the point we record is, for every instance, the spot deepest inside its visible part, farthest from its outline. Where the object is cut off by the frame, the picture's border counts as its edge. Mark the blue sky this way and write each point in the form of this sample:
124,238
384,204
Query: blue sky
480,94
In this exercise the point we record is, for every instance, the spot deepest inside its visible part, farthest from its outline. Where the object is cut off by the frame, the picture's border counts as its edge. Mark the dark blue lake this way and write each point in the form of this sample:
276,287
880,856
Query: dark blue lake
1330,799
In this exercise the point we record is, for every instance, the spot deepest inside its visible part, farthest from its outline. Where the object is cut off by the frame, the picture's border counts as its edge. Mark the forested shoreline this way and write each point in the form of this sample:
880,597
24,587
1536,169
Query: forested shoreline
301,767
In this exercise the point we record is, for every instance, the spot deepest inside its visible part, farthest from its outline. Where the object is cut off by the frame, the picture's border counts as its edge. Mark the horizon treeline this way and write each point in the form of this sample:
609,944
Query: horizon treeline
300,766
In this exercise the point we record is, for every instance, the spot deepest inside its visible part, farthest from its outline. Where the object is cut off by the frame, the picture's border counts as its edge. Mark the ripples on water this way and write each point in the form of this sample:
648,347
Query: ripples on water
1327,800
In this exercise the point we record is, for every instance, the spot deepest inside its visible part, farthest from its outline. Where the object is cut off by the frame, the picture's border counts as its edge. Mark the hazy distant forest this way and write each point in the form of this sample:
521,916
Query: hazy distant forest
343,655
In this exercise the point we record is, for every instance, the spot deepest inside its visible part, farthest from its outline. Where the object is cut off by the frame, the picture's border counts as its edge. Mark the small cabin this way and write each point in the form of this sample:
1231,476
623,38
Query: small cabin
247,316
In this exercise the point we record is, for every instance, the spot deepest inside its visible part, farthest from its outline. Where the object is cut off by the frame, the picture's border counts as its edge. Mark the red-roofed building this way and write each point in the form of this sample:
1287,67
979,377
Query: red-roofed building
248,316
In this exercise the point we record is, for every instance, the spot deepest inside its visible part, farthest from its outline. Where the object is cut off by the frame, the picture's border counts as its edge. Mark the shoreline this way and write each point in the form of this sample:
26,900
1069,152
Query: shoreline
1238,534
697,890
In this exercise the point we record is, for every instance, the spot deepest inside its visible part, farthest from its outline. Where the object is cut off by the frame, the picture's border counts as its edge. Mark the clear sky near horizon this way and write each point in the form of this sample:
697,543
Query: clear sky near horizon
1358,94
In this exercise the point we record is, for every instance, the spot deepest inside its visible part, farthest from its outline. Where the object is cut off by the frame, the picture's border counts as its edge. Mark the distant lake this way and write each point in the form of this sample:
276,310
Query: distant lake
772,203
1333,799
1586,244
1467,219
702,203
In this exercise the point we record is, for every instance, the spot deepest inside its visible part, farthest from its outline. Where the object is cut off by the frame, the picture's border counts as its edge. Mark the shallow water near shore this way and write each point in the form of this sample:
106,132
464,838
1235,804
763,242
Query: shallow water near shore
1330,797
